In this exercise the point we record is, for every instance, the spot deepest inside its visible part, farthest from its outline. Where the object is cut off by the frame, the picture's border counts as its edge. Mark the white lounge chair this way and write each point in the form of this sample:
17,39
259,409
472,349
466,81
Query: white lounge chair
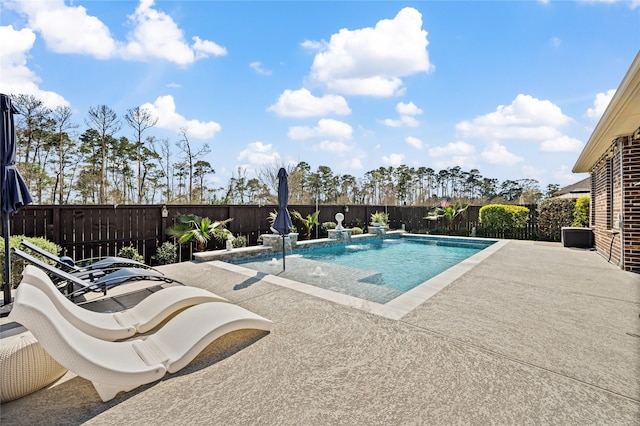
141,318
96,281
113,367
94,263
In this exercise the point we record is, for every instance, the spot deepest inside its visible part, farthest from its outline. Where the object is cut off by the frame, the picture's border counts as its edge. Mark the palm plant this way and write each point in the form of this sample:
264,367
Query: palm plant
381,218
307,222
447,211
190,228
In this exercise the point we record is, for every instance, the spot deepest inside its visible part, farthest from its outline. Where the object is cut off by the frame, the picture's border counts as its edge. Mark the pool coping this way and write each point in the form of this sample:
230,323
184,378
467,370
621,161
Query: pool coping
396,308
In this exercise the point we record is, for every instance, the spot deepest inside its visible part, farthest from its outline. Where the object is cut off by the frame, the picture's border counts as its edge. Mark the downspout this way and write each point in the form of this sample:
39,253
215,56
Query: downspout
621,216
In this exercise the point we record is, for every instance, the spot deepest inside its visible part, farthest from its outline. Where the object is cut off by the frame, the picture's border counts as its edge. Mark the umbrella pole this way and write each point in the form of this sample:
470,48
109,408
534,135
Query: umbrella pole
283,261
7,260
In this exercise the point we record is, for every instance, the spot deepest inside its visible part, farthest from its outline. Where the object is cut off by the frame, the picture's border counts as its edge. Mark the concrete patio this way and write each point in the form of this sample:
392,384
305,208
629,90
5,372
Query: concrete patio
535,334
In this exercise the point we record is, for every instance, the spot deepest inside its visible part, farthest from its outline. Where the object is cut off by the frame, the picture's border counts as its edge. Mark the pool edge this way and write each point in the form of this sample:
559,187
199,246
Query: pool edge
396,308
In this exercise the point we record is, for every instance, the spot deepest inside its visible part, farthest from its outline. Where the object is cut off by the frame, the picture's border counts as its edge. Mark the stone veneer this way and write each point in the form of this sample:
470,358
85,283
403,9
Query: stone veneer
272,243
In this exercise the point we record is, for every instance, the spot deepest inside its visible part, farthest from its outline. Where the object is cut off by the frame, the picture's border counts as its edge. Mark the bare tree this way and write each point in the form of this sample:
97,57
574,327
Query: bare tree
32,122
268,175
165,166
62,119
106,123
190,156
140,120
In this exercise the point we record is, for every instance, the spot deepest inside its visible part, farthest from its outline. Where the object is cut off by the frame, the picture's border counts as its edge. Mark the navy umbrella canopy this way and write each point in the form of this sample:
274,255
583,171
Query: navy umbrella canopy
283,223
15,194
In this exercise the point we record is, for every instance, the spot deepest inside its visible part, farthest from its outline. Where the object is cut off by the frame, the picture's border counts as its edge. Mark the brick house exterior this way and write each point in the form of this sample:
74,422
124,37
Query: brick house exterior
612,158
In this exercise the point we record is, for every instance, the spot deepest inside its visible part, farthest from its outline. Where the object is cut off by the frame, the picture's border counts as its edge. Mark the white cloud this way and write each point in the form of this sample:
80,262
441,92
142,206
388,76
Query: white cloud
561,144
414,142
301,103
156,35
563,176
17,78
404,120
556,42
164,108
454,154
371,61
452,149
326,128
355,164
526,118
408,109
600,104
204,48
632,4
69,29
257,67
531,172
495,153
335,147
394,160
258,153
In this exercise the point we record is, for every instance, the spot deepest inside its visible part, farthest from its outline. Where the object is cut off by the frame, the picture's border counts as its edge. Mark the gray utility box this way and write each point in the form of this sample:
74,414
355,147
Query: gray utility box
577,237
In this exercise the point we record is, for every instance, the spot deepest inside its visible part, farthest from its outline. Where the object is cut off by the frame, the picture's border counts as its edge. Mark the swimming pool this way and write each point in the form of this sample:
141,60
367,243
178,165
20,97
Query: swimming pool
376,270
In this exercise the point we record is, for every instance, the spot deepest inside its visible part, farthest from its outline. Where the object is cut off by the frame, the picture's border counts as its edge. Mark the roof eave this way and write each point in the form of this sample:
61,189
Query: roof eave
621,118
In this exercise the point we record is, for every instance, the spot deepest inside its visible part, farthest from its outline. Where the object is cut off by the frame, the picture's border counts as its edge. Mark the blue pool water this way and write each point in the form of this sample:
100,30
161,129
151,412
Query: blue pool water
377,269
400,263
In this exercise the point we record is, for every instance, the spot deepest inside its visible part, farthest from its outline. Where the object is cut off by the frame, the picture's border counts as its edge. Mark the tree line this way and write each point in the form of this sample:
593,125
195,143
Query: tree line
63,166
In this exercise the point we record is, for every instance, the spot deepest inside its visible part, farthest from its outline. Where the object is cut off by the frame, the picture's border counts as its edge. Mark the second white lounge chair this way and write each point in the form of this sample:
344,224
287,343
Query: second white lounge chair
141,318
113,367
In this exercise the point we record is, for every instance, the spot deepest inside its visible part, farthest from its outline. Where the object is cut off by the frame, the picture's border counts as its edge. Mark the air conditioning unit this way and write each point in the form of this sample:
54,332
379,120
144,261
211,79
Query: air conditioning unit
577,237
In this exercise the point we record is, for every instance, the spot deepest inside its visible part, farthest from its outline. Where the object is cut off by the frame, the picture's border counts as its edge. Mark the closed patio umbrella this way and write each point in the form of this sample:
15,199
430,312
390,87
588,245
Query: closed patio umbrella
283,224
14,192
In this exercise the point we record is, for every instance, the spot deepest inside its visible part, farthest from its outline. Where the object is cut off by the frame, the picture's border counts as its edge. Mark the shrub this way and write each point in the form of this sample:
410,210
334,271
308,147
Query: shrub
553,214
503,218
581,212
239,241
17,265
356,230
165,254
326,226
130,253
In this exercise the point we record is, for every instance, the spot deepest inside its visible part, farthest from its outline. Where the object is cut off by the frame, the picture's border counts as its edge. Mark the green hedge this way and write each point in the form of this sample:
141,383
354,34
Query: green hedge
581,212
17,265
503,218
553,214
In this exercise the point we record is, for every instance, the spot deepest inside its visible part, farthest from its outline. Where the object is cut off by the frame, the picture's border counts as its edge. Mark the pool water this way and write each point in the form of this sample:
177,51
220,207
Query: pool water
377,270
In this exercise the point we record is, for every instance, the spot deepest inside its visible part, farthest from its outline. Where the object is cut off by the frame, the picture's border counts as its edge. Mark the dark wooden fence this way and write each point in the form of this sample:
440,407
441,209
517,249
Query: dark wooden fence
88,230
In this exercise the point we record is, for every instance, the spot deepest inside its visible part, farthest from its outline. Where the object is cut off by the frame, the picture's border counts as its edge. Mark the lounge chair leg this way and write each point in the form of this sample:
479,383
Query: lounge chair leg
106,392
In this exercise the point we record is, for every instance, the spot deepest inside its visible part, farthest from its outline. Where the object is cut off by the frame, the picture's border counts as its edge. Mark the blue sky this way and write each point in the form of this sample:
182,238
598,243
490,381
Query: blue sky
511,88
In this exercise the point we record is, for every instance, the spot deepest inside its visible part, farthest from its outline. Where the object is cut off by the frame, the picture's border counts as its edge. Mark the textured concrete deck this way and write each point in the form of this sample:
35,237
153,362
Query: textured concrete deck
535,334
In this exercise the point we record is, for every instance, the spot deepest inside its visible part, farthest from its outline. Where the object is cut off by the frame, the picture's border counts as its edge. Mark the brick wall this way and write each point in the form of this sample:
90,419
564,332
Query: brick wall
631,206
613,193
602,211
